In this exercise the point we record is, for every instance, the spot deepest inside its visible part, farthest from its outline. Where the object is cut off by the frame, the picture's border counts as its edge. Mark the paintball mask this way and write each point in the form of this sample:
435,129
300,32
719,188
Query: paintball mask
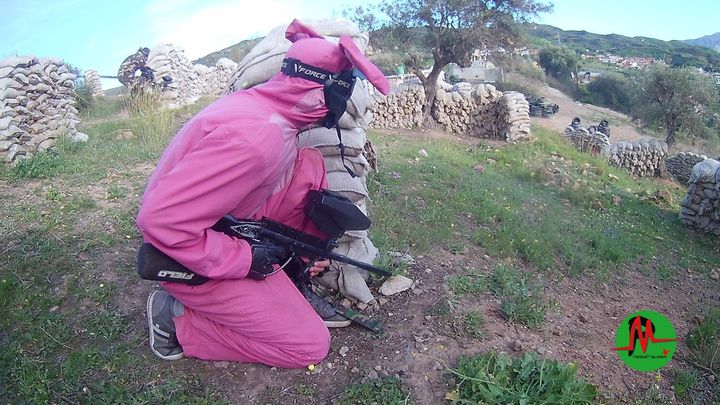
337,87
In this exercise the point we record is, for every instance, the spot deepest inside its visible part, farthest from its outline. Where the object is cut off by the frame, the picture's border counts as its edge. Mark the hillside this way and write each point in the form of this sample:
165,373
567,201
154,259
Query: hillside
235,52
674,53
693,53
708,41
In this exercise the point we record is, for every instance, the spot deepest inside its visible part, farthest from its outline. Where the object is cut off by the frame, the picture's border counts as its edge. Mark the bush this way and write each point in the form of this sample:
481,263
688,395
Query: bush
84,100
611,91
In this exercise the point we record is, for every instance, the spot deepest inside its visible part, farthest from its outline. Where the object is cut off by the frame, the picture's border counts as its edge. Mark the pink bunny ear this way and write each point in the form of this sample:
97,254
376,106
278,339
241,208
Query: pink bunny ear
297,31
373,74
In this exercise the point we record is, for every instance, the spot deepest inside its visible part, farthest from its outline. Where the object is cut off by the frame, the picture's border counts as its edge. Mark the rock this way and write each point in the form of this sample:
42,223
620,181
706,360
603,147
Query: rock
221,364
423,153
582,318
361,306
516,345
343,351
616,200
355,370
79,137
373,375
714,275
378,368
557,332
394,285
479,168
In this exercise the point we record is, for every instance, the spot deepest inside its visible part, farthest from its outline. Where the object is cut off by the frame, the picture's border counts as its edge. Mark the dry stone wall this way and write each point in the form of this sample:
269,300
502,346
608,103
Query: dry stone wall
92,81
37,105
479,110
680,166
701,206
400,109
643,158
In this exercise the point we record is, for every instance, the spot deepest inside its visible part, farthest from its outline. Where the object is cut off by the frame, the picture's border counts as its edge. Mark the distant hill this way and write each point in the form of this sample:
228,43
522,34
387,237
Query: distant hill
708,41
235,52
674,53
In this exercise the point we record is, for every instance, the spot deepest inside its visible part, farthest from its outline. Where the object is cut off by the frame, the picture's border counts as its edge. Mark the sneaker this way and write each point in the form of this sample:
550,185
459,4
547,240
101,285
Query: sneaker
324,309
160,311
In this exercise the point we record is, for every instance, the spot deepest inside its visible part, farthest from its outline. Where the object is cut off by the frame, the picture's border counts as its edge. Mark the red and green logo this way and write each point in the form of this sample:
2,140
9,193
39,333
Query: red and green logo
645,341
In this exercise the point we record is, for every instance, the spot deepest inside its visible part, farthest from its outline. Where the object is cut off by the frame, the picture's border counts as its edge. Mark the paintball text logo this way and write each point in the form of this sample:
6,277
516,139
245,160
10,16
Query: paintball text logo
645,341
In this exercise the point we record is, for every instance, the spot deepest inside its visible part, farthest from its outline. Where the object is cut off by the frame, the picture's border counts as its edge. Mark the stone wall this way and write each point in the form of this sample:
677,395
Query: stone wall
214,79
399,109
586,141
186,86
37,105
644,158
478,110
680,166
92,81
701,206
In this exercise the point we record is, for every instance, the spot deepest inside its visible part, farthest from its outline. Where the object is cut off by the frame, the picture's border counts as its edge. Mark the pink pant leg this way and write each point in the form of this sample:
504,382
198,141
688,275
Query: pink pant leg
245,320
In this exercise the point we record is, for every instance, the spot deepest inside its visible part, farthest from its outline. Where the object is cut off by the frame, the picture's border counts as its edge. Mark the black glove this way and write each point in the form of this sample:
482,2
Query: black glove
264,255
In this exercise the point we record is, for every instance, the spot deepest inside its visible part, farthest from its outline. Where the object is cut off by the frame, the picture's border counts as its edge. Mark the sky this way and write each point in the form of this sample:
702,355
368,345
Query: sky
99,34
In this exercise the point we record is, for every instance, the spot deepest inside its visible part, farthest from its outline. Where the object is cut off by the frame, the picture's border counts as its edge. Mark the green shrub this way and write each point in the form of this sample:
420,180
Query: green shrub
40,166
498,379
610,90
84,99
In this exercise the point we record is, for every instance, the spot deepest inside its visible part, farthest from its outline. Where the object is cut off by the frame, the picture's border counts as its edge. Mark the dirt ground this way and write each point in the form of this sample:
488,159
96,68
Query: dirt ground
419,343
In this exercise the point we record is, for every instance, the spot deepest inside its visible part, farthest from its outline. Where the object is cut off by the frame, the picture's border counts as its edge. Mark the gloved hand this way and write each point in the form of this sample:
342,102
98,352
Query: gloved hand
264,255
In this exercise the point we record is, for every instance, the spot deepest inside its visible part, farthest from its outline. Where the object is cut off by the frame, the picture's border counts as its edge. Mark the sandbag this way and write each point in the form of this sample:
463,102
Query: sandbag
354,189
326,140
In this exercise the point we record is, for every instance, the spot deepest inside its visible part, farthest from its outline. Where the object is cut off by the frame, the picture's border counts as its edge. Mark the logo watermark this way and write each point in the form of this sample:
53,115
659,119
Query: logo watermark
645,341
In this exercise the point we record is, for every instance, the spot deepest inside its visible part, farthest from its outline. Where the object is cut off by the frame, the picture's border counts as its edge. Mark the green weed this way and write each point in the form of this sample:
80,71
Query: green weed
497,379
685,381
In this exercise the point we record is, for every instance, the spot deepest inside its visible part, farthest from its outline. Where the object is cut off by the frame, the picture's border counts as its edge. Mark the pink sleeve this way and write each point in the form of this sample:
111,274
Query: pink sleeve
207,183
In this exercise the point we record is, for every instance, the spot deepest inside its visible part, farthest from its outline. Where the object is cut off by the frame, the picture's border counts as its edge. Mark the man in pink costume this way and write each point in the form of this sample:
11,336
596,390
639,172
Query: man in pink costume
240,156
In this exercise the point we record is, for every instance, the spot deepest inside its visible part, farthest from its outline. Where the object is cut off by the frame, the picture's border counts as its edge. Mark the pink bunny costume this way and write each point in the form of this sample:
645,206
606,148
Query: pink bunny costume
239,156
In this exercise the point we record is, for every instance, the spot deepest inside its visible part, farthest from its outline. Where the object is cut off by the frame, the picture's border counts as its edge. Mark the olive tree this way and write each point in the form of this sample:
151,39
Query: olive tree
675,99
451,30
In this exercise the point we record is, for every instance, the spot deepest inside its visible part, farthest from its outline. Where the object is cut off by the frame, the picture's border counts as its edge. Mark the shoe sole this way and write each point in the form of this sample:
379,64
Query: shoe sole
172,357
337,324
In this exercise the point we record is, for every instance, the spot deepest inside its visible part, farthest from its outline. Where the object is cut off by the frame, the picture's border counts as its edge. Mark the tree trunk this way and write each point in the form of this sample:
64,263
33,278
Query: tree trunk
670,139
430,85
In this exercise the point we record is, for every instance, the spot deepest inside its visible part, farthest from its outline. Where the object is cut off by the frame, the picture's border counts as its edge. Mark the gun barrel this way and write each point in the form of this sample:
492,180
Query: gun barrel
366,266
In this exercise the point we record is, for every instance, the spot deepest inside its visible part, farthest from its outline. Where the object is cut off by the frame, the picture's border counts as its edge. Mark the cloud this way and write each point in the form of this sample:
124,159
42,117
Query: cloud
214,25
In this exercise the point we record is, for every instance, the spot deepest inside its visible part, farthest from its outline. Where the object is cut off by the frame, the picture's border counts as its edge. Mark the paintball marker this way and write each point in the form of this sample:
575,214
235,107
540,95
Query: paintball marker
332,213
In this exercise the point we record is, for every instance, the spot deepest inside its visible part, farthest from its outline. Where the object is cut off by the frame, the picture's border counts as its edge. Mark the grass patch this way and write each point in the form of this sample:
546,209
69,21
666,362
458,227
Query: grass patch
65,337
521,297
383,391
599,217
493,378
685,382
